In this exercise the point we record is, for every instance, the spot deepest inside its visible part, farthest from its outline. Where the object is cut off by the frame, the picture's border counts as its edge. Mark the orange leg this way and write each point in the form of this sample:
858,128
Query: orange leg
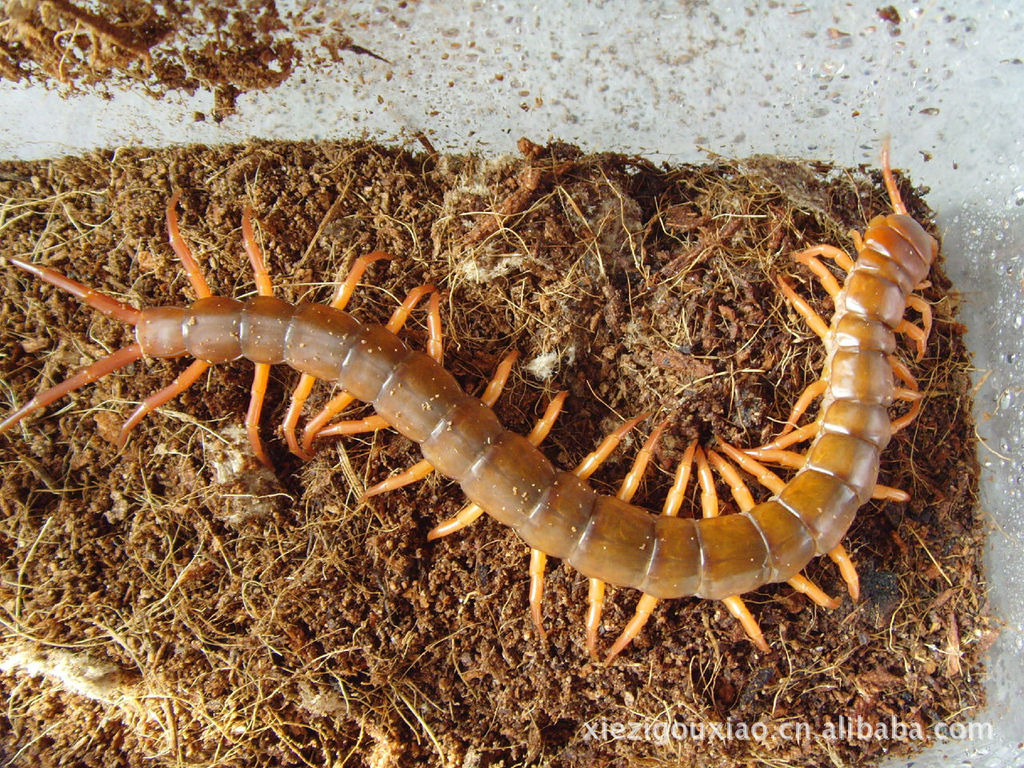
418,471
126,313
305,384
109,306
89,374
260,377
813,319
838,255
925,310
646,604
184,253
805,586
498,381
599,455
202,290
826,278
745,460
468,515
185,380
261,374
910,394
538,561
847,570
799,435
98,300
808,396
630,484
915,334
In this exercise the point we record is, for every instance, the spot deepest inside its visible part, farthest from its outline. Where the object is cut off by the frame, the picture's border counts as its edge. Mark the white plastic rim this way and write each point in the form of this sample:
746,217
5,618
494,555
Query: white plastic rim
668,80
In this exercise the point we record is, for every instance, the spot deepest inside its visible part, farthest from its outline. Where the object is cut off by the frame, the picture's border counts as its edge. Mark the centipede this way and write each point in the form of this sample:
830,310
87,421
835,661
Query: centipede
507,476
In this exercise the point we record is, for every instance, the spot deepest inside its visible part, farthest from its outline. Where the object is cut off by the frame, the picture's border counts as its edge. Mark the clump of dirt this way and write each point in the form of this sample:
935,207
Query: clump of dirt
167,45
174,602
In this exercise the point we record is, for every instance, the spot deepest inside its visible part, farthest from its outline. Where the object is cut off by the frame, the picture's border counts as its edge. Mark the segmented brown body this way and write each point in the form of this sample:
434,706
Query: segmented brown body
553,510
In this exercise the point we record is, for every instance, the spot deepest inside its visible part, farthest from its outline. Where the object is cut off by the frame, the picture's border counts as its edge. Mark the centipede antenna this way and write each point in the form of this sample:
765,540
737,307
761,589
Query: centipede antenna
89,374
890,182
98,300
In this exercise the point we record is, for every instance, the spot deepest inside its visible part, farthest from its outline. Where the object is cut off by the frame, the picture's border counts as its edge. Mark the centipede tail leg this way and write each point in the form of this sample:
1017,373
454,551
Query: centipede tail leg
890,181
647,603
305,384
98,300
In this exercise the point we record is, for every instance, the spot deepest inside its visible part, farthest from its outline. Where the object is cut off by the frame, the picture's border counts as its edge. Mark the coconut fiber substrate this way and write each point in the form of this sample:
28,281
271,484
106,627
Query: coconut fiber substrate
175,603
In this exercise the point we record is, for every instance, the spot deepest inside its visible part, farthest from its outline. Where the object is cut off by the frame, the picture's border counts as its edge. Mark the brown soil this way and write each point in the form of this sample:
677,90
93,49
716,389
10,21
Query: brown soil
162,46
173,603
